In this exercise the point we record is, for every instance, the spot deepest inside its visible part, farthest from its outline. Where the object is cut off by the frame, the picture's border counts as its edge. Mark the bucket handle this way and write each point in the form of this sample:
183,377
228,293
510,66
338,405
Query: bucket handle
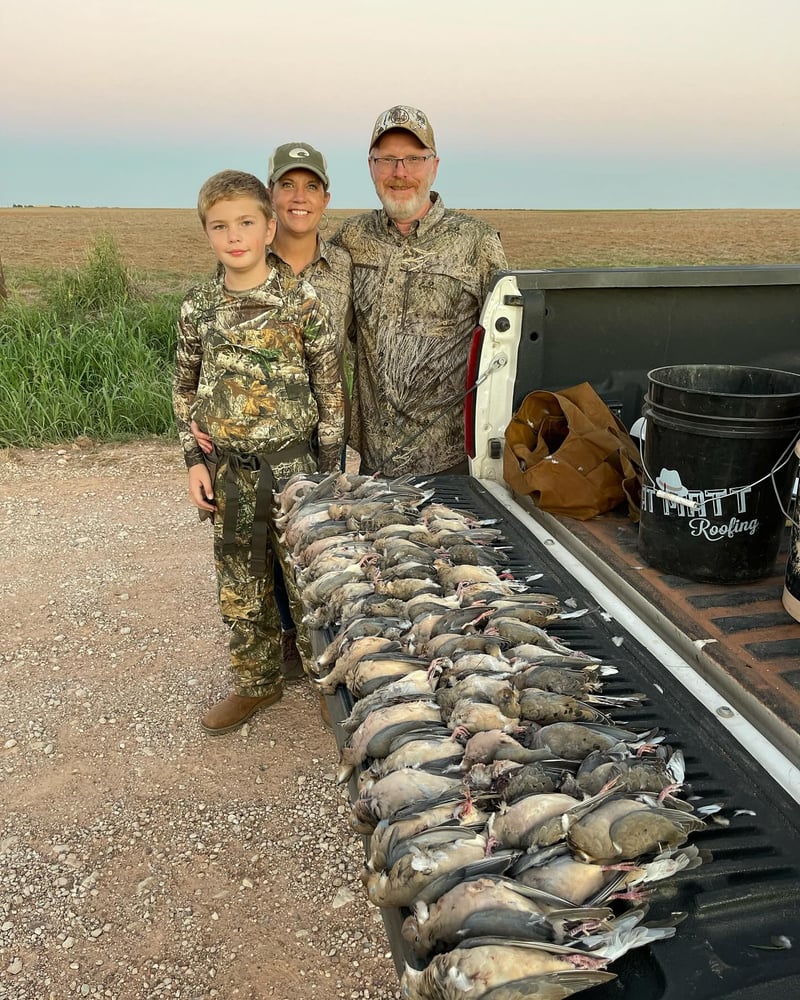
783,459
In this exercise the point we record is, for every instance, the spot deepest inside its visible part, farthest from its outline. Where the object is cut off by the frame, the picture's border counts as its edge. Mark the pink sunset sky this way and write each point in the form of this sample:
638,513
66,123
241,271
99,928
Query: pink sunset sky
570,104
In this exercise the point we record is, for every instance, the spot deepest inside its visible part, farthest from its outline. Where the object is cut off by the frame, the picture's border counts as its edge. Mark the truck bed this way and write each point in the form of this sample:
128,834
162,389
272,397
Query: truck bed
742,910
740,638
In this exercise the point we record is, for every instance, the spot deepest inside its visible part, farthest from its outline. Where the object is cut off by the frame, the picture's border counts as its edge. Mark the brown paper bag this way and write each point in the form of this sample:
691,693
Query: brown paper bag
570,453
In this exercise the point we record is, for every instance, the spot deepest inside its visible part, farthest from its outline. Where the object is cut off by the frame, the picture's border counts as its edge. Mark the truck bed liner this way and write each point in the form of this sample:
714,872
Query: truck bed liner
738,636
742,907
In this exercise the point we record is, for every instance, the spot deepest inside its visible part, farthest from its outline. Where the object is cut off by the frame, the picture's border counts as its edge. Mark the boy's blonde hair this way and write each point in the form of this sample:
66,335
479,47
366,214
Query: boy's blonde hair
229,184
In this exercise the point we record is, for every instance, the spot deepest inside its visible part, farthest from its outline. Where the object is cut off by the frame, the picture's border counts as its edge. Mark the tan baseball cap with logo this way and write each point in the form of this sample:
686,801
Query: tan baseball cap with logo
297,156
410,120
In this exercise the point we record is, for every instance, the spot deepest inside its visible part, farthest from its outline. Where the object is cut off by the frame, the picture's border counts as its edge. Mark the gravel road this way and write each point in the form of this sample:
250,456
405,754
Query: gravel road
140,858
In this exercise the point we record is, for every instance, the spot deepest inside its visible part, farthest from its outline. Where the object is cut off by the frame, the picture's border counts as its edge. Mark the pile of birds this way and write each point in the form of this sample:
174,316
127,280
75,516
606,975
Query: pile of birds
518,826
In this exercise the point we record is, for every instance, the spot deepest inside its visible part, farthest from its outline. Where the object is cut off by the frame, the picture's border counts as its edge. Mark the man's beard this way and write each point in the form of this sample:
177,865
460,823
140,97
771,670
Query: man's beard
403,209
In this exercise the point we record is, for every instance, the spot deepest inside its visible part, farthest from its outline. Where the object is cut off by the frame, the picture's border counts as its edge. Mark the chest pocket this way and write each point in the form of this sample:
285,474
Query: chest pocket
430,303
254,394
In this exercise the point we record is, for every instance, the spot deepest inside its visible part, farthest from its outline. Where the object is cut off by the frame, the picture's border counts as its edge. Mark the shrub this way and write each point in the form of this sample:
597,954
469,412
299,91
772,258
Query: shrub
89,357
103,282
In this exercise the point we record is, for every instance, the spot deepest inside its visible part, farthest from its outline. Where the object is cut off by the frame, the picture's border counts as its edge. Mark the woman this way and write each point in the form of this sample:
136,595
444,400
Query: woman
298,185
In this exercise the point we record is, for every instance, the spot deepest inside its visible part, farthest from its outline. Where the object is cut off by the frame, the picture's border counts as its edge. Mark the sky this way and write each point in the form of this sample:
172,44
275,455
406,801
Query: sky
536,104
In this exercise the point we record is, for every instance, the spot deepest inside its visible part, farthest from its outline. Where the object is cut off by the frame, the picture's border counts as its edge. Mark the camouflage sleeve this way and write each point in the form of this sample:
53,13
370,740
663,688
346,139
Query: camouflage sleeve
492,259
189,359
339,240
325,375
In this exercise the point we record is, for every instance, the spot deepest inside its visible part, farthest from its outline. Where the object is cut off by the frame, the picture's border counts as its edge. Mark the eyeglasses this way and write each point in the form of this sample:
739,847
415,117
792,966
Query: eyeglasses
388,164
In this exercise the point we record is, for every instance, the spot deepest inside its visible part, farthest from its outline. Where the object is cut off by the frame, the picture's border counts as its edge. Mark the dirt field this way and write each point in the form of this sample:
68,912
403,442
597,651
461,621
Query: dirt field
169,242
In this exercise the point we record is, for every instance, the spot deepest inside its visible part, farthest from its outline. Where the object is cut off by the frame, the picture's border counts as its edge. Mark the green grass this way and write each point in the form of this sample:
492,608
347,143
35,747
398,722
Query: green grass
87,353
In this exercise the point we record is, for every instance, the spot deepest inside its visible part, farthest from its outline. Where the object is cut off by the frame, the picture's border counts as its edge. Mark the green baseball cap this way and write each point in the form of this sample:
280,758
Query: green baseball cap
297,156
409,120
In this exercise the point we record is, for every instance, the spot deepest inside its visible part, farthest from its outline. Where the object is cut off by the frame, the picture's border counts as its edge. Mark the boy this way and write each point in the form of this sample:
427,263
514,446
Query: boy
258,370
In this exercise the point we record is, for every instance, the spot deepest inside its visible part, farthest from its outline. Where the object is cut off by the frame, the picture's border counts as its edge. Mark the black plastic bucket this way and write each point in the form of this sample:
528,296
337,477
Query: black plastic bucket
718,456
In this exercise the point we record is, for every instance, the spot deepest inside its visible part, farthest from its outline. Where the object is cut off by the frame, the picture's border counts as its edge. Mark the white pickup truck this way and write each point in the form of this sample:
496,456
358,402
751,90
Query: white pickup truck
721,663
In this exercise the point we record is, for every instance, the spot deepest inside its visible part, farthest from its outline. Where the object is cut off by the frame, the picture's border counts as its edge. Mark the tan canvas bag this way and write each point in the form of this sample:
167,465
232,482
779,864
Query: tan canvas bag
571,455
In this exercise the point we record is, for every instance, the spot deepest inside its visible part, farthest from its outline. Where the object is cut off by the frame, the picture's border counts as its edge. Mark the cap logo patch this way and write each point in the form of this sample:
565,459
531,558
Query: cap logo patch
298,153
397,116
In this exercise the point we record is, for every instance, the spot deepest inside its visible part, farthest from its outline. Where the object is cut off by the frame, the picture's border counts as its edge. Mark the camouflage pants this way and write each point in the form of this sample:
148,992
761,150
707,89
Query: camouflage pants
247,602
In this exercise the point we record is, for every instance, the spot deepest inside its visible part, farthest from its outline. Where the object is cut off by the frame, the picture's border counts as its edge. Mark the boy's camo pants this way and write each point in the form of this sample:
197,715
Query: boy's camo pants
246,602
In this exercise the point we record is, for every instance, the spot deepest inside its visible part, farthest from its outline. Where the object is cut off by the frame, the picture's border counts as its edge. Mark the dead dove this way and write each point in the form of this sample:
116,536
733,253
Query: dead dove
358,628
378,669
531,614
480,687
408,687
354,651
657,772
449,810
294,489
517,825
575,881
422,858
465,664
451,644
497,906
484,747
491,968
477,971
624,828
567,677
374,735
532,654
480,716
534,778
520,632
409,786
418,749
547,707
576,741
541,820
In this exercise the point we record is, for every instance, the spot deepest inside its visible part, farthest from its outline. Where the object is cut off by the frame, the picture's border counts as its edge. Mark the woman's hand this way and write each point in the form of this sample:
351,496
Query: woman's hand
201,492
203,439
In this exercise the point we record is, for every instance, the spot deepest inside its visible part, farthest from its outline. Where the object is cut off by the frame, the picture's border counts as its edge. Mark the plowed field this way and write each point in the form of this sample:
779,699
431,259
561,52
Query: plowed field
169,242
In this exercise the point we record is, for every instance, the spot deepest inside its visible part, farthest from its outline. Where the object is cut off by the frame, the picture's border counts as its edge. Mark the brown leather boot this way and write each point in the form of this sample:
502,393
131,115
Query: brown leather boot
233,711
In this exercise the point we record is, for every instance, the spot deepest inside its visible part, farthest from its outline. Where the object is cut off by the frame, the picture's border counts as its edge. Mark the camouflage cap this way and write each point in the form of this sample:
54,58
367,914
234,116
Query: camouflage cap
410,120
297,156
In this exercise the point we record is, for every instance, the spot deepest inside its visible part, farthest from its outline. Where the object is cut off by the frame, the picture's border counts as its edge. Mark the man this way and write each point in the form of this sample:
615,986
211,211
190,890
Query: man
420,275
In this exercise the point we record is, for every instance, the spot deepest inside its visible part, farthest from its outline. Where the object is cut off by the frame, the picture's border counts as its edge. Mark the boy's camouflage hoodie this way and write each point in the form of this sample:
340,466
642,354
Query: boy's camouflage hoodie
258,370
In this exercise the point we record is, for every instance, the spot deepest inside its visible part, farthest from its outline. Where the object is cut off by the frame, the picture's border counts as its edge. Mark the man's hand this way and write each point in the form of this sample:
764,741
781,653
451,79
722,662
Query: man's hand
203,439
201,492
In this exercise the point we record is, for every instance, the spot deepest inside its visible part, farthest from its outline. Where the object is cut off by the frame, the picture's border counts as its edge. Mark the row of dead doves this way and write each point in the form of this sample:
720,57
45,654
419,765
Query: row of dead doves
519,826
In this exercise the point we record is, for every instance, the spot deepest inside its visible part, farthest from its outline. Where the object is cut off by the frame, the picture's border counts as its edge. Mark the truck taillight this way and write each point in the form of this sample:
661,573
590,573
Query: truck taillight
473,362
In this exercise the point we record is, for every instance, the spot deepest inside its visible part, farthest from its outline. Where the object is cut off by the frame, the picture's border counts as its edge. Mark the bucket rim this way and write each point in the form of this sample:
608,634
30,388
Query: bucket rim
651,375
779,423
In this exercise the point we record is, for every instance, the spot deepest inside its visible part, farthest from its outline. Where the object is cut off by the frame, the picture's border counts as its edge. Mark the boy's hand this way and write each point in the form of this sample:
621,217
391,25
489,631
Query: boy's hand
203,439
201,492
